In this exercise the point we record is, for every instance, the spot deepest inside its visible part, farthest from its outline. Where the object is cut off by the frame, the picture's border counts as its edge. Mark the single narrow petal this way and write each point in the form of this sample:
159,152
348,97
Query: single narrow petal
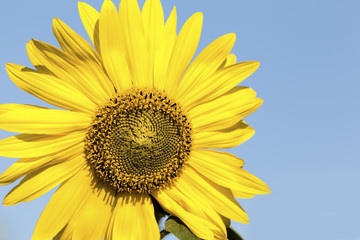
41,181
28,165
164,49
112,46
224,111
91,221
226,138
133,218
218,83
153,19
221,199
76,46
218,171
4,108
222,157
49,89
239,194
196,224
65,202
36,145
206,63
183,52
136,47
89,16
69,70
47,121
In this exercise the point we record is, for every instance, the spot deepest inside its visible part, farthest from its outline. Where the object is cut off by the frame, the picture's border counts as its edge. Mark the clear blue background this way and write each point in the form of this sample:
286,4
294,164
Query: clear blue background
307,142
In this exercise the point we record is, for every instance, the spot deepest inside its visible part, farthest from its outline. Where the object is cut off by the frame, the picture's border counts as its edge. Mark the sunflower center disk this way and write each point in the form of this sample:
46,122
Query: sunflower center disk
139,141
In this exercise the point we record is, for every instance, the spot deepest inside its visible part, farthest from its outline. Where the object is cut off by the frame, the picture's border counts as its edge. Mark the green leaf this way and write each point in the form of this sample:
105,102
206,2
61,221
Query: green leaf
232,234
179,229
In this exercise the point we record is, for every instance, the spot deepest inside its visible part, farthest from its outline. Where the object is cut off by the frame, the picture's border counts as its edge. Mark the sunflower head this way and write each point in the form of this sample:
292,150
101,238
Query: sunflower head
138,141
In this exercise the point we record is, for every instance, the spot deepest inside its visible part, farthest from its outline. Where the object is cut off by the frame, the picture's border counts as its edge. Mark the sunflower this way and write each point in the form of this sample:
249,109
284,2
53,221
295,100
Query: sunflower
136,127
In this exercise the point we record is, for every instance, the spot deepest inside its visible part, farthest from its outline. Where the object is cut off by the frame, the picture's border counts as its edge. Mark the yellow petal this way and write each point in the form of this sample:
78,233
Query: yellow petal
219,83
196,224
222,157
49,89
221,199
91,221
35,145
76,46
133,218
183,194
4,108
47,121
61,236
230,60
206,63
137,49
37,62
89,16
163,51
112,46
153,19
226,138
224,111
27,165
66,201
225,174
239,194
42,180
69,70
183,52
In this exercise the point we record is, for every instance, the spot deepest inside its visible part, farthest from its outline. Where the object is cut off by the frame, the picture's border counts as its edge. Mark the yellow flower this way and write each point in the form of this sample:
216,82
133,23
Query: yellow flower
139,125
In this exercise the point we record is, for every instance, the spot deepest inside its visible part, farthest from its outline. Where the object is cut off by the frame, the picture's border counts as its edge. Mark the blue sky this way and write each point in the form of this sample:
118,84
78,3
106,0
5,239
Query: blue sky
306,145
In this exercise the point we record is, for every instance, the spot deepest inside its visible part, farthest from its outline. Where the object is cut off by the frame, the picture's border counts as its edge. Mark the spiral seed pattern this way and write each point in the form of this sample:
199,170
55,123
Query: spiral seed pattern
139,141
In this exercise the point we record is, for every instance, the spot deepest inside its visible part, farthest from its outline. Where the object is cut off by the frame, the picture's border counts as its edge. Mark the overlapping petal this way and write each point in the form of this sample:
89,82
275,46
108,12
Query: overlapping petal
70,70
112,46
28,165
50,89
211,164
43,180
47,121
92,219
224,138
205,64
218,83
225,111
135,42
195,223
183,52
133,218
153,19
183,193
36,145
66,201
80,49
219,198
164,49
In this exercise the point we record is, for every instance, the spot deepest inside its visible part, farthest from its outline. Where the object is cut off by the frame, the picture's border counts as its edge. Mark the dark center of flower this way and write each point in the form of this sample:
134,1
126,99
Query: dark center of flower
139,141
